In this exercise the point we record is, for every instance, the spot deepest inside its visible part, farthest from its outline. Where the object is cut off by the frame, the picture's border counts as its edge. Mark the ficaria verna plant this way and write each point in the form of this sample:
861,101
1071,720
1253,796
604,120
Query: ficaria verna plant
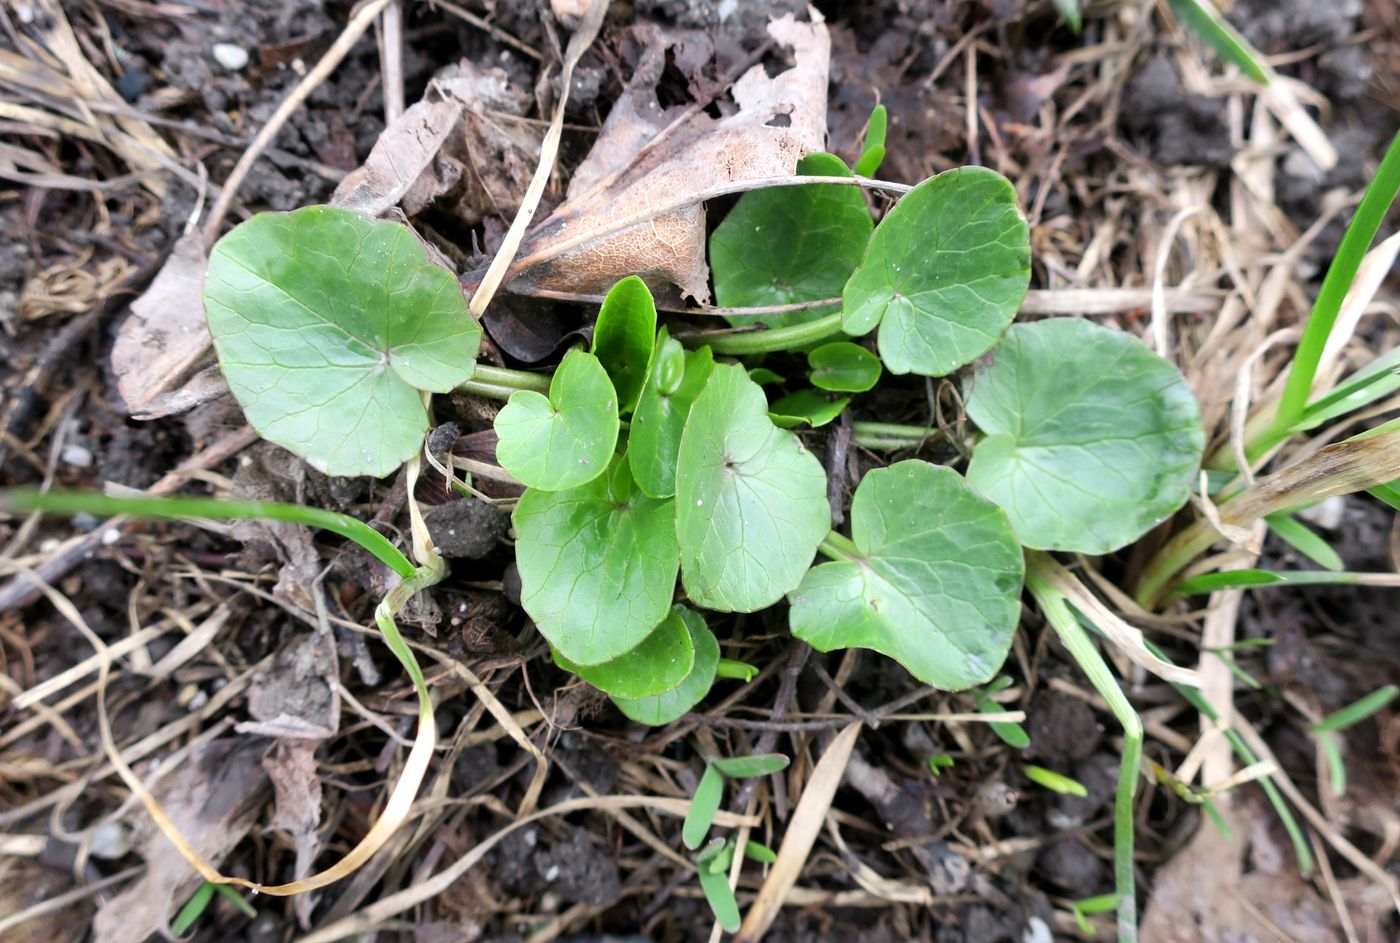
663,481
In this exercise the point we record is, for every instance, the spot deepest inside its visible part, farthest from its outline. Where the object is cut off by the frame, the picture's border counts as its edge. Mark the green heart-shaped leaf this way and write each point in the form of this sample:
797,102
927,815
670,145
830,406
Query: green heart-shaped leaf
566,439
658,664
843,367
597,565
1092,439
945,273
806,408
329,326
790,244
751,503
624,337
677,377
933,579
661,709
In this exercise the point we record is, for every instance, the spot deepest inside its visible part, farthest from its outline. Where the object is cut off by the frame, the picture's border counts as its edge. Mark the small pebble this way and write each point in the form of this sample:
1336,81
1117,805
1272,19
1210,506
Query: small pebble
229,56
77,456
110,841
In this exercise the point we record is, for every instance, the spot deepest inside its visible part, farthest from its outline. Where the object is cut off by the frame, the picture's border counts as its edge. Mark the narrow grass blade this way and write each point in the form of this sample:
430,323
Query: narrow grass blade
194,909
1013,735
1193,696
1357,240
1358,711
1336,766
217,509
1236,579
1069,9
1305,540
1207,23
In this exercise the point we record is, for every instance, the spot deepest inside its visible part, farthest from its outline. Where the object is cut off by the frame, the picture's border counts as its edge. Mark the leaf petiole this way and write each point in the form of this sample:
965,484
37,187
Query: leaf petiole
742,342
841,548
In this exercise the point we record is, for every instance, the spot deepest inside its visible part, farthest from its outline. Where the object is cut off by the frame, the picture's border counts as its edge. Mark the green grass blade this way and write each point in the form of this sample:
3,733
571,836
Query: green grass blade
1213,29
237,899
218,509
1069,9
1305,540
1197,700
1336,767
1358,711
1236,579
703,806
1355,244
194,909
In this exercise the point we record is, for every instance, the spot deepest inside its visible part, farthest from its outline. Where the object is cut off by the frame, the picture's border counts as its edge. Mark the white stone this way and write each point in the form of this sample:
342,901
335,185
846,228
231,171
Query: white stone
229,56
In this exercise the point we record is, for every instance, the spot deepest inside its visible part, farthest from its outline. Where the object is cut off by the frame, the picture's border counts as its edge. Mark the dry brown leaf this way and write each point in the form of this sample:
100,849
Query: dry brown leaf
1207,895
214,798
296,790
164,341
295,696
643,158
450,147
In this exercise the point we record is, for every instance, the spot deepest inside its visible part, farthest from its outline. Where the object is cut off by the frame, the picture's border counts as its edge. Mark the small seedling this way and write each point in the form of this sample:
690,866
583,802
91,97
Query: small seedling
199,902
937,764
1328,731
1087,907
1011,734
1055,782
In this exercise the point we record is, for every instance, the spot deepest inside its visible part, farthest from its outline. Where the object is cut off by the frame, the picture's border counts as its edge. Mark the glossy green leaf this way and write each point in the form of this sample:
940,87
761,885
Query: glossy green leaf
329,326
658,664
751,503
747,767
790,244
843,367
873,152
806,408
945,272
597,565
655,436
661,709
703,806
1092,439
720,896
932,578
624,337
764,377
564,440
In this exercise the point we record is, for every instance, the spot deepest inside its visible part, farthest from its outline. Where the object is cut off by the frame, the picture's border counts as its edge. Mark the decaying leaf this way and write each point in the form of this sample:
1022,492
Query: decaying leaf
1207,895
296,788
213,798
294,696
161,357
451,147
647,155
